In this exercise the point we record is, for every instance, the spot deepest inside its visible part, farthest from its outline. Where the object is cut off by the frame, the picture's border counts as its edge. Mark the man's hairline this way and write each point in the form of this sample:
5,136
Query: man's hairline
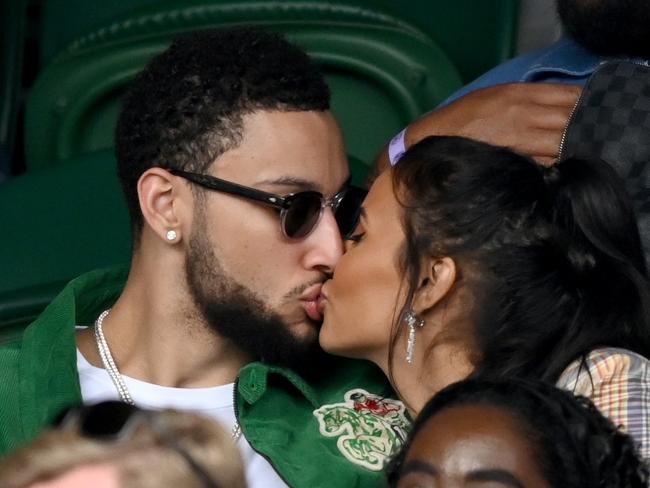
236,143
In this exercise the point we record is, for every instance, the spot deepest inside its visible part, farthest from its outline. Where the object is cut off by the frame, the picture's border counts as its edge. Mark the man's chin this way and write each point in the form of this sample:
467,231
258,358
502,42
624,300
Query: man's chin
284,335
305,331
304,357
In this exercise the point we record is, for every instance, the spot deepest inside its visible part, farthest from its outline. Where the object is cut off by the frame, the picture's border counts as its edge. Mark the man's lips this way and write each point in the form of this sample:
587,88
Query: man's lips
322,299
311,299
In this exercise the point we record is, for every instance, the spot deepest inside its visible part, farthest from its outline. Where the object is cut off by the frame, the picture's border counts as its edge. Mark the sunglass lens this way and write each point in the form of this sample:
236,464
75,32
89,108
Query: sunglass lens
302,214
107,419
347,211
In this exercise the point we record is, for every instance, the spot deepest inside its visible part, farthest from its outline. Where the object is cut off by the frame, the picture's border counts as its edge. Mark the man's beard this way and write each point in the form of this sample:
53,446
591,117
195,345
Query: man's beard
237,314
608,27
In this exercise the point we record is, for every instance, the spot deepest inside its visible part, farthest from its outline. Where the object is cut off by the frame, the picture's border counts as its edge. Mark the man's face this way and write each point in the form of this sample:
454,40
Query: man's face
253,285
608,27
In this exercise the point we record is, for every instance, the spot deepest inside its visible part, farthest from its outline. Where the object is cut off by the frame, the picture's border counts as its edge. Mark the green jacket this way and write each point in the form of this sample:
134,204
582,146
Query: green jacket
338,431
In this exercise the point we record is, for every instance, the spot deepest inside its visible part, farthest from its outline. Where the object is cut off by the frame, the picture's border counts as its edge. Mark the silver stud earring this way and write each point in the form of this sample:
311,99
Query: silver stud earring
412,320
171,235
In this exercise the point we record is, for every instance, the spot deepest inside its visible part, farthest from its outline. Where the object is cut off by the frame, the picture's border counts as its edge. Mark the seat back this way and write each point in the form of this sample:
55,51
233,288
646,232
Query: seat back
12,38
475,35
58,223
383,72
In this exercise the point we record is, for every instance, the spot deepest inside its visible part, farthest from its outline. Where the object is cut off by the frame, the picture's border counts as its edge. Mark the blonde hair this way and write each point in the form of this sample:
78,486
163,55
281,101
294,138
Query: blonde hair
144,460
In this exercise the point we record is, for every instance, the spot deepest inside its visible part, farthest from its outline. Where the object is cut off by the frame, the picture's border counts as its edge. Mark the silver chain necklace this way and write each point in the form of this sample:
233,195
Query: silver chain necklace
116,376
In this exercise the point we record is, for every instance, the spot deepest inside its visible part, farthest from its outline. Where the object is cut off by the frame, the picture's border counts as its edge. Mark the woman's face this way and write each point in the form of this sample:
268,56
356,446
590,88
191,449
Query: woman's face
359,302
471,446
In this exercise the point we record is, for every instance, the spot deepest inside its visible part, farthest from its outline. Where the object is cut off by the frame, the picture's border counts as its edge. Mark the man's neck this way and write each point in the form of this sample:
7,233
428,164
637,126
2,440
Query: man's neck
159,337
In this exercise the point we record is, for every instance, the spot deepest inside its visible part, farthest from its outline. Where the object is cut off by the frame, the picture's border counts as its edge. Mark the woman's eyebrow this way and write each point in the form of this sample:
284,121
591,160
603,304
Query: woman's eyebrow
416,466
495,475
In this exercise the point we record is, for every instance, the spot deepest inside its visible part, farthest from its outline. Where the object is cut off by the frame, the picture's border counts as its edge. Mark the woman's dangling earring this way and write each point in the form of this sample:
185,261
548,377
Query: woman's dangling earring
412,321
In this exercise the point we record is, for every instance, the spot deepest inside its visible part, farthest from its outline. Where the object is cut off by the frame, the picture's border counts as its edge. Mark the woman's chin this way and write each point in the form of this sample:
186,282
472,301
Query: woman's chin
335,345
328,342
333,342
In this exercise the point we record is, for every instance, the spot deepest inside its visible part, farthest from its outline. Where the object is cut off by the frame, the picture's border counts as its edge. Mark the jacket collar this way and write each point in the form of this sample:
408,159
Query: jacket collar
569,58
48,374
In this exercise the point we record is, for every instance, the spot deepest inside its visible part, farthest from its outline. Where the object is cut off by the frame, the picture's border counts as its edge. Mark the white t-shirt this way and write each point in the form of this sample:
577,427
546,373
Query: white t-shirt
215,402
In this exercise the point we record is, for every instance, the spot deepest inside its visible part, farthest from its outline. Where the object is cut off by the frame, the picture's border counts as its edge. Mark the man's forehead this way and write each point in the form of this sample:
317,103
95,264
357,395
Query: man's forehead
292,150
302,184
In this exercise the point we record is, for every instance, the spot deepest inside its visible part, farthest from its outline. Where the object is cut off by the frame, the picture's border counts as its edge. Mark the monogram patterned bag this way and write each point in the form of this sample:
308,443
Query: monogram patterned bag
611,121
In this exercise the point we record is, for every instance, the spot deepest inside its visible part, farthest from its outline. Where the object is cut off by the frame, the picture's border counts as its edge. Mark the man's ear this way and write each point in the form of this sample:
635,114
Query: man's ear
437,277
158,202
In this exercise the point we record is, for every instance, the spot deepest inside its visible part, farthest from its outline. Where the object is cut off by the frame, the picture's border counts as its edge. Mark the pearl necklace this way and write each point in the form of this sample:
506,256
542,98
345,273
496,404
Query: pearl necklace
115,375
108,362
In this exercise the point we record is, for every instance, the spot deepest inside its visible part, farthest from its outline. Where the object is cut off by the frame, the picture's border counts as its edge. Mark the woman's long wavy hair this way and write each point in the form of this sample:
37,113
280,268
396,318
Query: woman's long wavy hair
551,256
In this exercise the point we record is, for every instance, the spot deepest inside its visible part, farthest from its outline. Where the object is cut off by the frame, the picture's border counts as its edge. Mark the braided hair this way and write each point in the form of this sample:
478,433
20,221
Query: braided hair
577,446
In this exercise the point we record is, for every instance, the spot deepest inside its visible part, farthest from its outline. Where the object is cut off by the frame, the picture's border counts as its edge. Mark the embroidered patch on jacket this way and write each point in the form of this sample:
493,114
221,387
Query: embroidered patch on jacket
370,428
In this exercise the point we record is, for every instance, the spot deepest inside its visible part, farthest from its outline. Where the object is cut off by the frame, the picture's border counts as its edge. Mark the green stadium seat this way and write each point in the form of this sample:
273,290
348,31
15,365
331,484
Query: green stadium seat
475,35
58,223
64,21
12,38
383,72
385,67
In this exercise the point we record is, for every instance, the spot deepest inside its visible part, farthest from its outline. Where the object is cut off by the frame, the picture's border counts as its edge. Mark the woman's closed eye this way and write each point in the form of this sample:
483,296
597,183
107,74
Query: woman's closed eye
356,237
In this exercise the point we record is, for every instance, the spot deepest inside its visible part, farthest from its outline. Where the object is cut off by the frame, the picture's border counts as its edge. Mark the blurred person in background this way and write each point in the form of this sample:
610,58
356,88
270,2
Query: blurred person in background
513,433
116,445
501,108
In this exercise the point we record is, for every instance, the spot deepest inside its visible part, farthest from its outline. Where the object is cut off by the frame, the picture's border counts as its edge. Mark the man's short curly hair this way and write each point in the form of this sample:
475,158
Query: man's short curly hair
187,106
576,446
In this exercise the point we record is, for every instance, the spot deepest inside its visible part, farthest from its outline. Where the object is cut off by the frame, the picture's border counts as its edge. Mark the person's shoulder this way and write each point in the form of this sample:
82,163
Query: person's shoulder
563,61
10,412
10,354
347,374
606,365
510,71
9,357
319,385
613,361
342,411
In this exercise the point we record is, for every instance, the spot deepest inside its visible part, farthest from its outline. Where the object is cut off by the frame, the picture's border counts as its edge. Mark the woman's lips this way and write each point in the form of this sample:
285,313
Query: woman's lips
322,302
313,310
322,299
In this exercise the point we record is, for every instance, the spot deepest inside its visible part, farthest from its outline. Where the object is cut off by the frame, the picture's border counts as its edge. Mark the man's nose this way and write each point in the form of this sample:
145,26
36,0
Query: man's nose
324,244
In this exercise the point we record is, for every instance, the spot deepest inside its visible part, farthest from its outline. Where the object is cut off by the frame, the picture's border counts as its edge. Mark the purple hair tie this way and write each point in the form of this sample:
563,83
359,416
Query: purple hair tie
396,148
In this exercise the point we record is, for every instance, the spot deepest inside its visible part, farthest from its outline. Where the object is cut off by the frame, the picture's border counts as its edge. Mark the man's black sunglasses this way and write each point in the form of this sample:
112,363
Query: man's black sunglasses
299,212
117,421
